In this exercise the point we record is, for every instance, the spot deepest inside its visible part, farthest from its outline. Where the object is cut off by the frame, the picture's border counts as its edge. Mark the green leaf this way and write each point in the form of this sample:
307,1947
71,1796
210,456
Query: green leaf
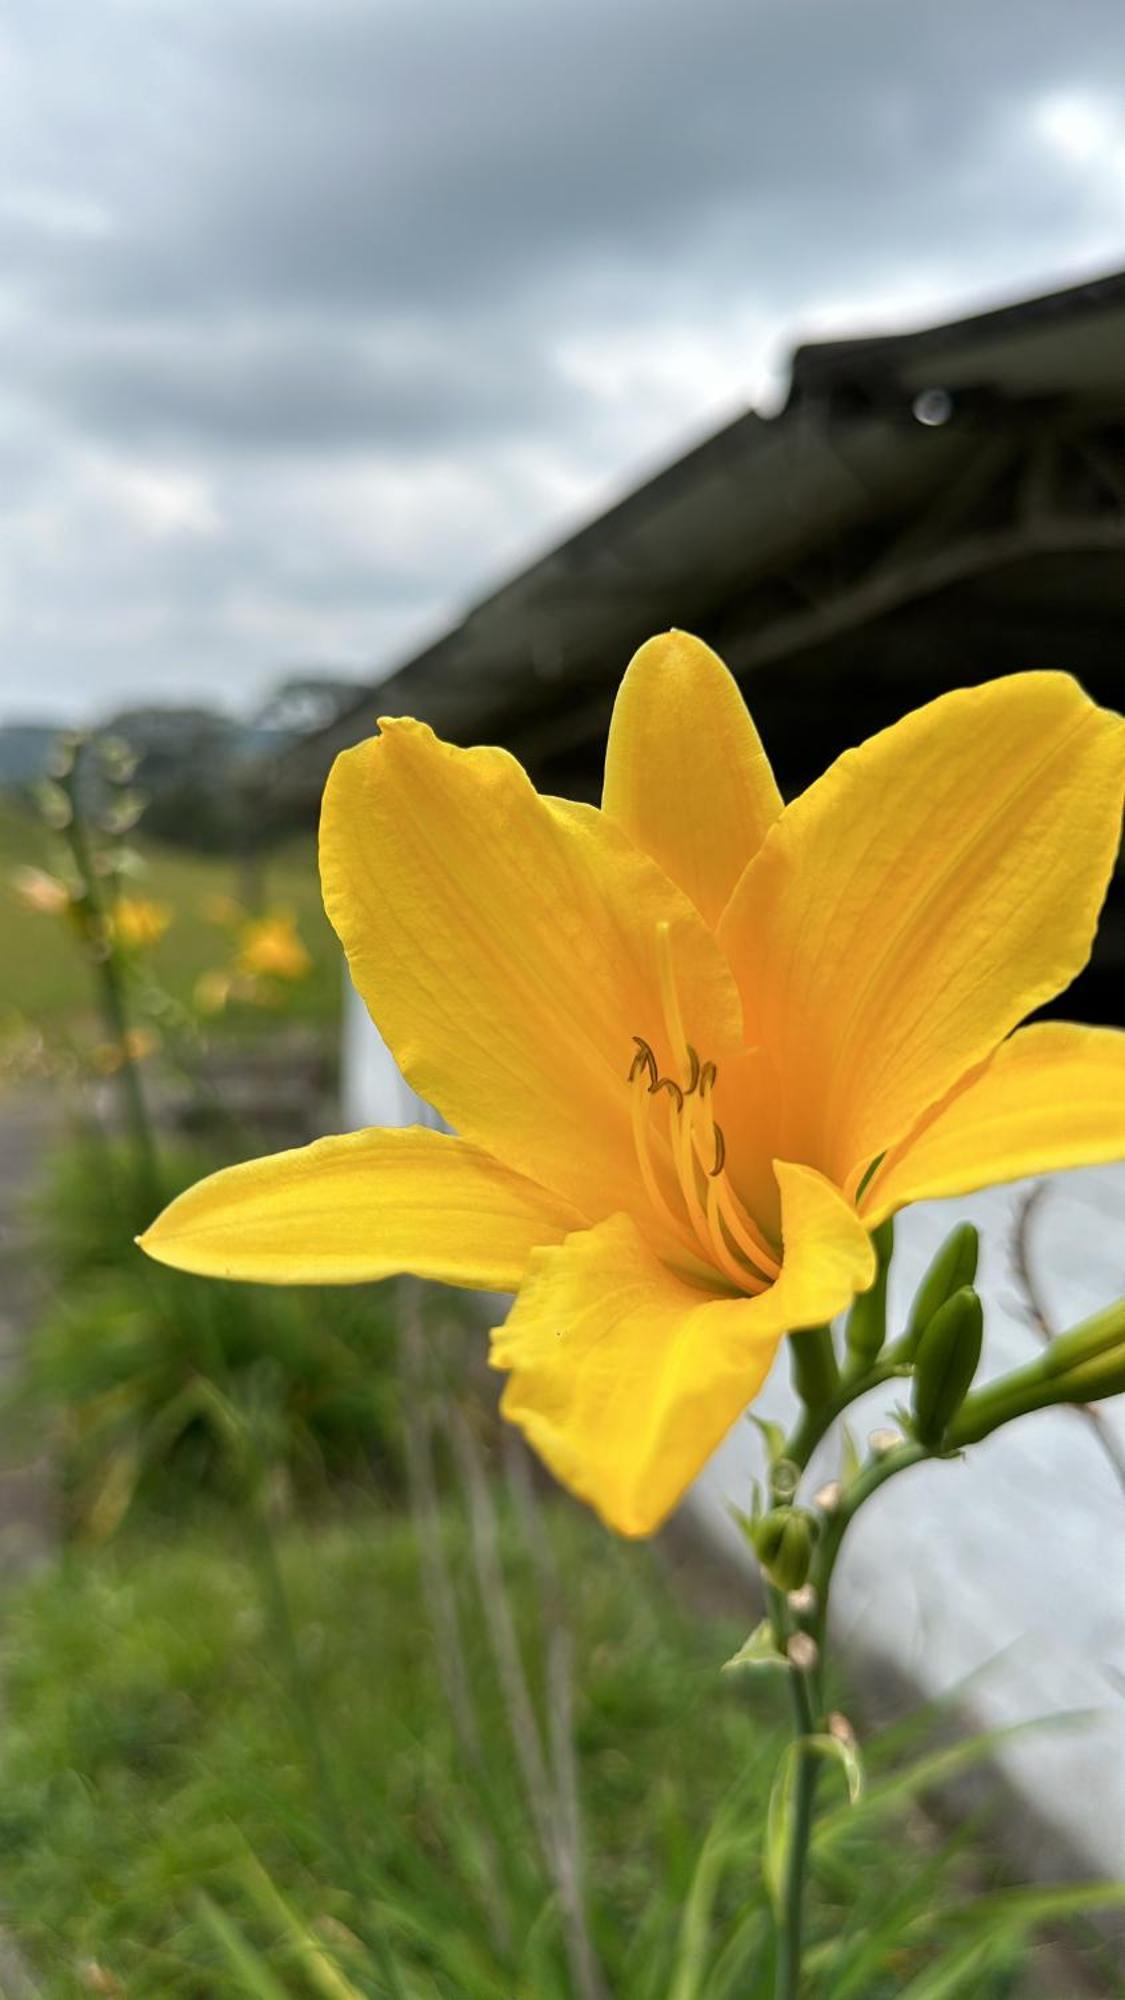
848,1758
244,1960
932,1770
779,1812
773,1437
323,1974
947,1979
779,1828
759,1650
850,1460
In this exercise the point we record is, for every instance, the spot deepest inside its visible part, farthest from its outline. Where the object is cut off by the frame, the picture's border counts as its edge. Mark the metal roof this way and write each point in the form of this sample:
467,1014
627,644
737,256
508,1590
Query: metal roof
962,465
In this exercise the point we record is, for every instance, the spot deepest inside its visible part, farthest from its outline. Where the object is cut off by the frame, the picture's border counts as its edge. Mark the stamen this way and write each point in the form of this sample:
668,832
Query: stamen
669,1084
643,1060
641,1121
743,1235
744,1276
742,1230
683,1142
698,1145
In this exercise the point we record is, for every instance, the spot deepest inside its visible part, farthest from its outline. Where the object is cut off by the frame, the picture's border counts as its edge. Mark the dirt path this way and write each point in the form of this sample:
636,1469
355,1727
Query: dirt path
27,1121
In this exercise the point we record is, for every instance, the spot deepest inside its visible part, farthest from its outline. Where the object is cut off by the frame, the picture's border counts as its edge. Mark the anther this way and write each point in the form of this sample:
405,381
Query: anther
720,1153
669,1084
707,1075
644,1060
696,1070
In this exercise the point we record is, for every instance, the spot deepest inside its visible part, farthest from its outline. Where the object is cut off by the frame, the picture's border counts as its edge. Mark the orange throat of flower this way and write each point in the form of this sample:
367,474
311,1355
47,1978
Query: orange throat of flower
681,1151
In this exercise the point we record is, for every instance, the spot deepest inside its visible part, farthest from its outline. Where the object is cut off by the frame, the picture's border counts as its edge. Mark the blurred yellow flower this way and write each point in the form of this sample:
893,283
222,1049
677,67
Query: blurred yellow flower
212,991
694,1045
39,891
270,947
137,923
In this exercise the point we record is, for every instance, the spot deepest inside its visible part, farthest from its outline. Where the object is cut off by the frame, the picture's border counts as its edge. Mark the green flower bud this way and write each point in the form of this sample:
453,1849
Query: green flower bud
954,1265
783,1540
946,1361
867,1320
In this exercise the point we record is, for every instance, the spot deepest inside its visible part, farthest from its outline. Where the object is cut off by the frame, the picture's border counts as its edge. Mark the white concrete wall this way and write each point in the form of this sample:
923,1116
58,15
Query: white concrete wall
1007,1566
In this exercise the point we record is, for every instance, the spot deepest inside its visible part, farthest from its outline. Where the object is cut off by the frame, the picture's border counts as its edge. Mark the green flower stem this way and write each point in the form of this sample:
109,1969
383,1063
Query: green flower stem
790,1933
817,1420
807,1692
816,1376
109,973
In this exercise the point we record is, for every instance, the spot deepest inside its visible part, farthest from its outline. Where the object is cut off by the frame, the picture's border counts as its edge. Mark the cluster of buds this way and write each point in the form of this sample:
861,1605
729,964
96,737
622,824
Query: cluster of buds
944,1336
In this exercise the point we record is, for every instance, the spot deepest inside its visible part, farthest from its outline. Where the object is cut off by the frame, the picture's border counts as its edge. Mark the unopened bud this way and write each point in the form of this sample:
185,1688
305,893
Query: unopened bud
802,1603
947,1359
785,1478
841,1729
803,1652
867,1320
828,1497
954,1266
783,1540
55,808
883,1441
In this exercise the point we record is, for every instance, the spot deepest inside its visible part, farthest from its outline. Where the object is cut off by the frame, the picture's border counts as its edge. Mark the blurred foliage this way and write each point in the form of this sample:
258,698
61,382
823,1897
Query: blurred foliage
41,990
162,1835
134,1374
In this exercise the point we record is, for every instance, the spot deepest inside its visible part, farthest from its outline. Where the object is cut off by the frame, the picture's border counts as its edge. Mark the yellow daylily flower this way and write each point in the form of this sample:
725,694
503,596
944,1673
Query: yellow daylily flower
138,922
694,1045
271,947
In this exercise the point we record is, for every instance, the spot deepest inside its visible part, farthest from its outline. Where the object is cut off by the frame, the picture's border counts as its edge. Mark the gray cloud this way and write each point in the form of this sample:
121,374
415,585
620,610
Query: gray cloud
315,313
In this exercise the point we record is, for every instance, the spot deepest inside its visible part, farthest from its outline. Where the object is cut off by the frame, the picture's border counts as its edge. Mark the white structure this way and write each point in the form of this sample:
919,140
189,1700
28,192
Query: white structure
1007,1566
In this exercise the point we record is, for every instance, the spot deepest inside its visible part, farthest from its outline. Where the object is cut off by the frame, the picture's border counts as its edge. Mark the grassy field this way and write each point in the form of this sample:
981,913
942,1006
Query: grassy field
44,981
165,1831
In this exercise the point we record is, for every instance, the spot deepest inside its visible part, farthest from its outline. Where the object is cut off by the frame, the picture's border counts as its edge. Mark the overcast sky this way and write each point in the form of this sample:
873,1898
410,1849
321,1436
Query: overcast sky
318,316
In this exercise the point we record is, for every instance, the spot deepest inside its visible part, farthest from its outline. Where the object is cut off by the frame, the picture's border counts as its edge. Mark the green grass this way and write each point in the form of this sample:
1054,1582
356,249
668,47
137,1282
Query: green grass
134,1374
159,1818
45,982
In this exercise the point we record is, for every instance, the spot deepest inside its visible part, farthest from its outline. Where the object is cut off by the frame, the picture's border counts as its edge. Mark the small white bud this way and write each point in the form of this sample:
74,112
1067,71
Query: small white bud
881,1442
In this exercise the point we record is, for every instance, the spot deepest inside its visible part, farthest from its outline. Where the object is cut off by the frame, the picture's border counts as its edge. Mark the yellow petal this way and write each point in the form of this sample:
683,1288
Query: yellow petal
344,1211
625,1378
509,952
685,771
909,909
1051,1097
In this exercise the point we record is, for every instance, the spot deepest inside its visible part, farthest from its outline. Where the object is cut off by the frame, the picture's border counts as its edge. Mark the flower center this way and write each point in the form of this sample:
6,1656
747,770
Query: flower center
681,1151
